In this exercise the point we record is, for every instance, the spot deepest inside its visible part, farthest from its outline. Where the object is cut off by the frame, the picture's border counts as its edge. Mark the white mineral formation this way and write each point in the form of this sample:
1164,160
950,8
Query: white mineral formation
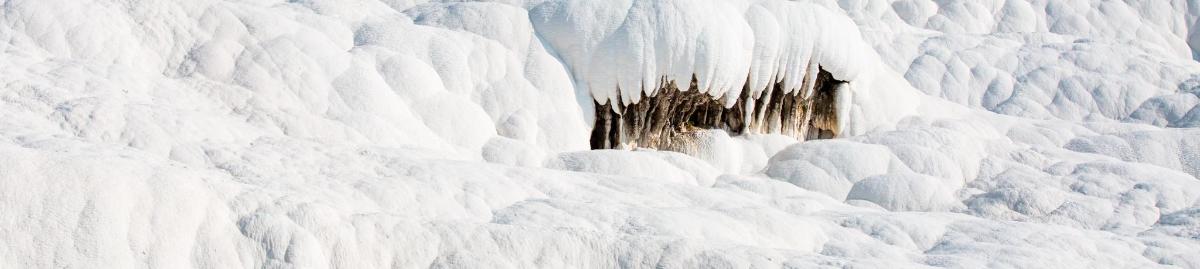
457,134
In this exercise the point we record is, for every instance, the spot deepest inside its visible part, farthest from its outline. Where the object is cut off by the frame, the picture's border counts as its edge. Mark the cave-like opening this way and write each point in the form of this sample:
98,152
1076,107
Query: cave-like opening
665,120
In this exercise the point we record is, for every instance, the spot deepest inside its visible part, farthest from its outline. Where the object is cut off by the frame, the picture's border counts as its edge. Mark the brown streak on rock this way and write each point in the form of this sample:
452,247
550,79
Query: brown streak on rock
666,119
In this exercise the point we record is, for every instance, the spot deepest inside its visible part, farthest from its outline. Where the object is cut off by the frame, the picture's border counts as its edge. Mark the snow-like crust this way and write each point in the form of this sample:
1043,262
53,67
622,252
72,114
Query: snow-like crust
1073,60
617,50
410,134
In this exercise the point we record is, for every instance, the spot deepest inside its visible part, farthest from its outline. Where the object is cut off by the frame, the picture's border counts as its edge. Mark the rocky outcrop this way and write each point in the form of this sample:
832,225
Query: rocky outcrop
664,119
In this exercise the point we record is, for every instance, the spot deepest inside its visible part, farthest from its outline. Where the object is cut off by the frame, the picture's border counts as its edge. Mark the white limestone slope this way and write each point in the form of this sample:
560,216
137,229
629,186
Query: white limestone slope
402,134
1077,60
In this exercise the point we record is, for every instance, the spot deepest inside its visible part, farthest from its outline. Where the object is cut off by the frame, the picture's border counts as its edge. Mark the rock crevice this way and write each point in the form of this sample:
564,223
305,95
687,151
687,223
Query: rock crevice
666,118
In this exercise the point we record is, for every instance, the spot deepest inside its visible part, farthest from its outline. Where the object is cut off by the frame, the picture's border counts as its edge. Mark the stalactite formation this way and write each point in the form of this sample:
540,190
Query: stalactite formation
665,120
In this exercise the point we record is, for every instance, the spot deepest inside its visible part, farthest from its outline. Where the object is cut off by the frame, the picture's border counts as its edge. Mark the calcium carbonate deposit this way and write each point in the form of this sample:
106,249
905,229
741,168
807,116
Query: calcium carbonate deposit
599,134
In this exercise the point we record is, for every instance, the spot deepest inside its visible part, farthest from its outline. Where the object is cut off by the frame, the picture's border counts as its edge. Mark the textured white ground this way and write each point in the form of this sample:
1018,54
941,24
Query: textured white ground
406,134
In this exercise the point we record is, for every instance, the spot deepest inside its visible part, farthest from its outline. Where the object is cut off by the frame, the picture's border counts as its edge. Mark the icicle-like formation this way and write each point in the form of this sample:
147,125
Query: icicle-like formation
757,66
620,50
666,119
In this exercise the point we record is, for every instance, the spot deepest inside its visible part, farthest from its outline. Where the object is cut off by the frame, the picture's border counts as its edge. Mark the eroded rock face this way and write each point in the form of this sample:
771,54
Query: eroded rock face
666,119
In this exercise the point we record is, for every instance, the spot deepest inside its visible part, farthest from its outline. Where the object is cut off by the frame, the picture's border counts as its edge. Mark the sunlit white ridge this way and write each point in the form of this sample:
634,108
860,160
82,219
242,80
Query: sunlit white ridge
616,48
760,60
